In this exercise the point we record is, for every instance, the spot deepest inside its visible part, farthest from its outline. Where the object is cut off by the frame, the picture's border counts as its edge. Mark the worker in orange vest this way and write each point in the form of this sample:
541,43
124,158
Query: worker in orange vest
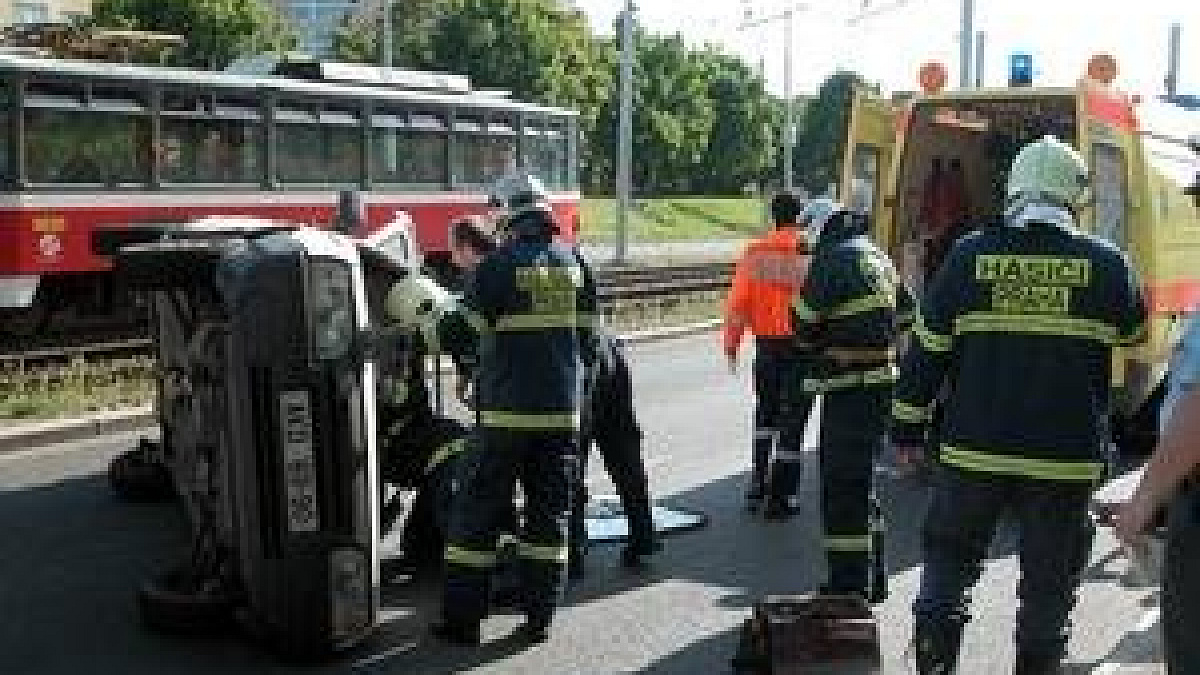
767,278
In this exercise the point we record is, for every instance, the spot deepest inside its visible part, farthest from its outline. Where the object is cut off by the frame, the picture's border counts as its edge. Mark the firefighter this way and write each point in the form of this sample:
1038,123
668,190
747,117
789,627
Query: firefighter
533,302
611,423
855,302
768,275
1015,339
421,448
416,318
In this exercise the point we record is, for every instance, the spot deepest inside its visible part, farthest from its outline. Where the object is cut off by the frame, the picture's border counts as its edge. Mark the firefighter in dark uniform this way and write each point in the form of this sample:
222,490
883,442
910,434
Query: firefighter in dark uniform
421,448
1015,341
611,423
855,305
533,302
415,319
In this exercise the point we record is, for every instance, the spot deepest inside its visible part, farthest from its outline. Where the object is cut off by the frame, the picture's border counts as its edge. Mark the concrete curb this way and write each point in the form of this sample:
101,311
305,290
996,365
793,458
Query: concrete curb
672,332
38,434
26,436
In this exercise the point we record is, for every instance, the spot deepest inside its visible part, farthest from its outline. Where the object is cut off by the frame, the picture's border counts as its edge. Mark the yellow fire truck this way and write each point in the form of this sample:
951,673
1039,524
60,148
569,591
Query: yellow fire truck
929,169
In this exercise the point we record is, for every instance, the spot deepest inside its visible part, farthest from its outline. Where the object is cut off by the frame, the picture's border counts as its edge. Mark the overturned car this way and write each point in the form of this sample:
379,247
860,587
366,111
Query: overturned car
269,426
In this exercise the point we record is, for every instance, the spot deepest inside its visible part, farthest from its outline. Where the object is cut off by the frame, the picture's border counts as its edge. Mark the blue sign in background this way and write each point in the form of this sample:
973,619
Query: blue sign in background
1020,70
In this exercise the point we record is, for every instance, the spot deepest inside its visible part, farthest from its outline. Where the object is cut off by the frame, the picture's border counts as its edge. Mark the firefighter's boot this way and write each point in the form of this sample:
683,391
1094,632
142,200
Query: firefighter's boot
936,644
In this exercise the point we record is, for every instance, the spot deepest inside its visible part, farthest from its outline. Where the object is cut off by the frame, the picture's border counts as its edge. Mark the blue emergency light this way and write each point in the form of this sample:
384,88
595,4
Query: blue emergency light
1020,70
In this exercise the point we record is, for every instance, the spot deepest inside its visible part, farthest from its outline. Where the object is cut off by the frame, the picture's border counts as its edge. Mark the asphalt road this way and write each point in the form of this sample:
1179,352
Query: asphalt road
73,557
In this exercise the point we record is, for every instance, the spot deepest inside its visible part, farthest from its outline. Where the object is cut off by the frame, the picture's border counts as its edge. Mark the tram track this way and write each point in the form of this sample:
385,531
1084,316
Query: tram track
616,285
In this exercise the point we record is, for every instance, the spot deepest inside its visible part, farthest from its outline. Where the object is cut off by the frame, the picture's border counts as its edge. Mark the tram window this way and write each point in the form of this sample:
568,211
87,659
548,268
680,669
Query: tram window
547,155
408,150
86,146
310,151
1110,194
199,150
484,153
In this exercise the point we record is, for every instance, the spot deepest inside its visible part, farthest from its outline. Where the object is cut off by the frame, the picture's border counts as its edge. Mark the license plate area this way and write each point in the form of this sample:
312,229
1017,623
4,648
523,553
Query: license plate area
299,462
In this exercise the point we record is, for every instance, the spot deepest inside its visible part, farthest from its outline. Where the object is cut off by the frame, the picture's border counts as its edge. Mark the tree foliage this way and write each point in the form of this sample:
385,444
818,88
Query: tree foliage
822,138
217,31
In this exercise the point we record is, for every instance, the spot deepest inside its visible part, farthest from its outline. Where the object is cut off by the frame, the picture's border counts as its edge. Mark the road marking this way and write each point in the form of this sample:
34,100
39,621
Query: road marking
1148,621
368,661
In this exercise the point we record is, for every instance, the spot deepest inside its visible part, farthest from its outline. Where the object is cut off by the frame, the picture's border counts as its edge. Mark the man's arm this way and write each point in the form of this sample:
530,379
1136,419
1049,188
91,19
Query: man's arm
928,359
1178,452
737,308
1177,457
481,301
1130,306
588,311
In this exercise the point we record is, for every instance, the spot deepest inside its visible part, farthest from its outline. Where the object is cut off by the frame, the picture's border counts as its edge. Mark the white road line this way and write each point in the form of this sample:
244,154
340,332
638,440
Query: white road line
1148,621
374,659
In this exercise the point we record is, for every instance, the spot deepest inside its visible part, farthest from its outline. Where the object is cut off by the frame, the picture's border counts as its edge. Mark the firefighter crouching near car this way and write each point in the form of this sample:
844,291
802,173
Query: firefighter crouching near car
767,277
858,306
416,319
533,302
422,449
1018,328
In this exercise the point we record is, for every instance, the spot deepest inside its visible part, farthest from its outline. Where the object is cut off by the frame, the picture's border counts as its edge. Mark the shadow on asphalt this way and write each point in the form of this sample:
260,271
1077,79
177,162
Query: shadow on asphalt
75,556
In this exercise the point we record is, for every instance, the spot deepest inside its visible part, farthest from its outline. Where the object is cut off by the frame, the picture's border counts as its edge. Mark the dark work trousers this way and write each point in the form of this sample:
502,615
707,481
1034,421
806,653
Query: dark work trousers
431,457
771,355
622,457
612,425
854,428
1056,534
795,405
1181,586
546,463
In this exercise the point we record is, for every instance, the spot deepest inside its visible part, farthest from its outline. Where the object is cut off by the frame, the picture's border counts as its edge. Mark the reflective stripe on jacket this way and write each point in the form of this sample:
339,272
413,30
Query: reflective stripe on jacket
1018,331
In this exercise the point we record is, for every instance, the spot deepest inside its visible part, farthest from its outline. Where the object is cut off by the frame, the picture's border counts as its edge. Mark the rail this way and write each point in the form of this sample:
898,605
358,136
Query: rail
616,286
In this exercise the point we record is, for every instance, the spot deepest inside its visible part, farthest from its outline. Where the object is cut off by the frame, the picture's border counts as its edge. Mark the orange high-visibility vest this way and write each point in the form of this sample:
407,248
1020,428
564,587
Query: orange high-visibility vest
767,279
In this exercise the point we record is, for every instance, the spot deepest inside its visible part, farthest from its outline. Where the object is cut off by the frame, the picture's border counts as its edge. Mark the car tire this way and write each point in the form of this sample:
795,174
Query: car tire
137,477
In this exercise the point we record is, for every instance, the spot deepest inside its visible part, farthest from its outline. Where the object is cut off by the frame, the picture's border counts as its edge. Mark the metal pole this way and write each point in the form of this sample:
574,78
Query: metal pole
386,52
980,41
789,143
1173,42
966,37
625,134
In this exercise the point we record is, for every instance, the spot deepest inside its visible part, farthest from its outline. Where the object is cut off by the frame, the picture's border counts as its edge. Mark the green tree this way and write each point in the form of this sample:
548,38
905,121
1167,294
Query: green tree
821,144
742,147
414,26
703,121
673,115
217,31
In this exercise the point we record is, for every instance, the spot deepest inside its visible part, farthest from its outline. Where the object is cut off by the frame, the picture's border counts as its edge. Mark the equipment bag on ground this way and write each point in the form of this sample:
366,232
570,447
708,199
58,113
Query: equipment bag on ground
809,635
